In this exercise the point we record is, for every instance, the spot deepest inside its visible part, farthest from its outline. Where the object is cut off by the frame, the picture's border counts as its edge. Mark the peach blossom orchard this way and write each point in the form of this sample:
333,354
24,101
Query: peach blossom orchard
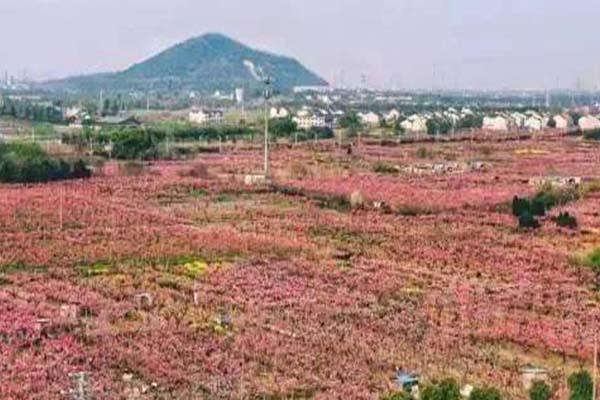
168,284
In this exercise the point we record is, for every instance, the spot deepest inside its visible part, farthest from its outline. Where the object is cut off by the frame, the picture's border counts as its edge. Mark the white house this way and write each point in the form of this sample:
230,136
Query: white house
498,123
518,120
415,123
205,116
588,123
534,123
280,112
369,118
71,112
392,116
561,121
306,120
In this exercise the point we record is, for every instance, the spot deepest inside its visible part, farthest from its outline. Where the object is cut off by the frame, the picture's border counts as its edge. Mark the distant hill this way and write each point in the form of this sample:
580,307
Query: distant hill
206,63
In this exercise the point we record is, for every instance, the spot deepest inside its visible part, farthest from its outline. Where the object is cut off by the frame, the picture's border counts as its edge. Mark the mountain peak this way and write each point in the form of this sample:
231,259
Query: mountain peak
209,62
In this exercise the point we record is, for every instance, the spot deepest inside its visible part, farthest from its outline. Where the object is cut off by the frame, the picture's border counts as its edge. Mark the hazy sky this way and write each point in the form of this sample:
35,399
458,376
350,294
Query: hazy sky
488,44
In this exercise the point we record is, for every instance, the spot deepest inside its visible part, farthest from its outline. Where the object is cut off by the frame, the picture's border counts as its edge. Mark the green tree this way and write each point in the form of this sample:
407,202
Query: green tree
351,122
580,386
396,396
446,390
283,127
540,391
485,393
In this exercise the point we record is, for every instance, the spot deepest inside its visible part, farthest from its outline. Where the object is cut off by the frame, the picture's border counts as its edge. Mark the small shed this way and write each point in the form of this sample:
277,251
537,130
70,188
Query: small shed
530,374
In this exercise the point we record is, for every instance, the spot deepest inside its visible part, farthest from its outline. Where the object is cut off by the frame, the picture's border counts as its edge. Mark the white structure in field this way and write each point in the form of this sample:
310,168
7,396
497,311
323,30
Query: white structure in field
369,118
205,116
497,123
280,112
588,123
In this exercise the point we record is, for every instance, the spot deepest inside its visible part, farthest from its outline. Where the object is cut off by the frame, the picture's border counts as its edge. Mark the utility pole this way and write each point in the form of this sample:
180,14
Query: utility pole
267,95
595,389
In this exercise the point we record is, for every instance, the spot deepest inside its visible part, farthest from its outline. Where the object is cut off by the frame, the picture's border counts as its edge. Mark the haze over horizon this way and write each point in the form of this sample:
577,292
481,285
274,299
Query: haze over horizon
490,44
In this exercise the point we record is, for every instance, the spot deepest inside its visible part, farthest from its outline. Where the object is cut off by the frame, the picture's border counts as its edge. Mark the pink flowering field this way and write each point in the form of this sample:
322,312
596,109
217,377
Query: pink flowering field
170,283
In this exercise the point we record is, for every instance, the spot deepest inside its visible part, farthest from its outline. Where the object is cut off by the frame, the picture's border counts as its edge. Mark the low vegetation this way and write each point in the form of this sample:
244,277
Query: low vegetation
540,390
528,211
580,386
446,390
134,279
28,163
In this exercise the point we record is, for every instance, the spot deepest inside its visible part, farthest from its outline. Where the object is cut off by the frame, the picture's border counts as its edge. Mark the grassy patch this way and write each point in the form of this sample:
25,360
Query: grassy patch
191,266
327,201
552,196
223,198
95,269
297,394
345,237
422,152
170,282
198,193
407,210
16,268
195,269
590,187
590,259
385,168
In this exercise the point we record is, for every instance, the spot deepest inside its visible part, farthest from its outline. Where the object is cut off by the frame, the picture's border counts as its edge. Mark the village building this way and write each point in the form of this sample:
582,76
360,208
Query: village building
206,117
369,118
561,122
415,124
497,123
319,119
392,116
588,123
534,124
279,112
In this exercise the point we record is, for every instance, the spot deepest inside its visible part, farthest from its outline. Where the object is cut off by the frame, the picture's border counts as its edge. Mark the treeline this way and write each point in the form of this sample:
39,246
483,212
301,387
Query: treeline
28,163
592,134
28,110
444,126
149,143
161,141
580,385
